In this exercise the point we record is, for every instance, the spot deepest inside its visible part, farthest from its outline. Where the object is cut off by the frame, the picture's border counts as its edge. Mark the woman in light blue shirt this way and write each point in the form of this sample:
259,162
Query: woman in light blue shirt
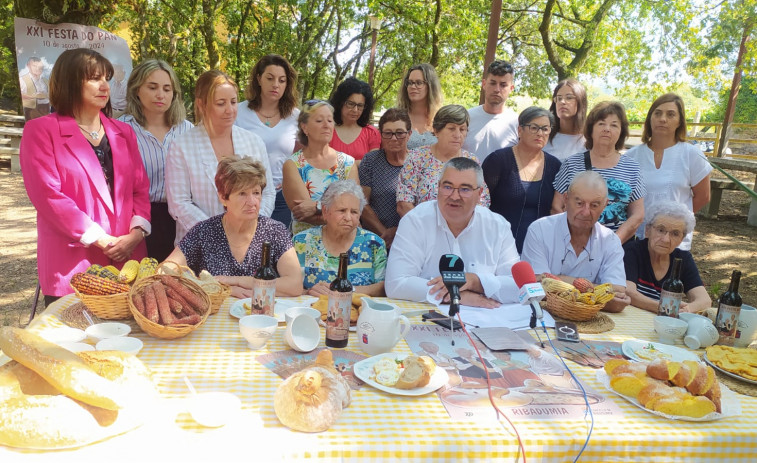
155,110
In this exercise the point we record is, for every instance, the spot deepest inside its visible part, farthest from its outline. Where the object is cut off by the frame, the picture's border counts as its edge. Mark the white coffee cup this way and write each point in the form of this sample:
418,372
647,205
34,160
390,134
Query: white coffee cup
747,326
701,332
303,333
293,312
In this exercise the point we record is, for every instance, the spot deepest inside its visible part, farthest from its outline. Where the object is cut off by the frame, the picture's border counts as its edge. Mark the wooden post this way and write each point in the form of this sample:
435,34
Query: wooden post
375,26
491,40
731,106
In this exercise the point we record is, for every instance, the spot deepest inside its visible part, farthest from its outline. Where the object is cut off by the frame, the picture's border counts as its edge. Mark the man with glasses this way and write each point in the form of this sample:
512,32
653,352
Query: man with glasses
454,224
574,244
492,125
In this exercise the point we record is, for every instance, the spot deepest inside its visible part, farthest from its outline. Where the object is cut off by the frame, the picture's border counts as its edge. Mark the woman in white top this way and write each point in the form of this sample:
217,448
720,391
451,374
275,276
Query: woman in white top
192,159
569,105
673,170
155,110
271,112
421,96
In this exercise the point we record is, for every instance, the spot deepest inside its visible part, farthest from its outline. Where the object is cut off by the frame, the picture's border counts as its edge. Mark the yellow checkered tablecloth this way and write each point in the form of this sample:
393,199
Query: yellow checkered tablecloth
379,427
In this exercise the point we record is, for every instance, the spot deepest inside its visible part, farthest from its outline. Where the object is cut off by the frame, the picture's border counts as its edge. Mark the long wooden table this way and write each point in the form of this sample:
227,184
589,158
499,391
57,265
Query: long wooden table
379,427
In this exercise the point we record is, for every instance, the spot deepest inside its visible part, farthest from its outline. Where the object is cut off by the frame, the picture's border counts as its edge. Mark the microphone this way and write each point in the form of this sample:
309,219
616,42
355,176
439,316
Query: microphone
452,270
530,291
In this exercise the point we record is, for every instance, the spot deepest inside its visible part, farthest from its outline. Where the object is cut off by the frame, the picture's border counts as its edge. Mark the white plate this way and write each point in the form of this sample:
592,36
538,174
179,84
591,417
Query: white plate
63,334
726,372
730,404
364,370
237,309
353,328
631,348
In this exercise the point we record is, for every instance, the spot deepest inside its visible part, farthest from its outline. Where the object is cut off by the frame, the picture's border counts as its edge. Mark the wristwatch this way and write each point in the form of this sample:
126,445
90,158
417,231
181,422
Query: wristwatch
144,233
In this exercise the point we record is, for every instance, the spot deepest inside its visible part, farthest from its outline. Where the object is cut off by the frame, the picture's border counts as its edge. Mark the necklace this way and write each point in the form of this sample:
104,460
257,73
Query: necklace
268,118
94,135
529,176
525,194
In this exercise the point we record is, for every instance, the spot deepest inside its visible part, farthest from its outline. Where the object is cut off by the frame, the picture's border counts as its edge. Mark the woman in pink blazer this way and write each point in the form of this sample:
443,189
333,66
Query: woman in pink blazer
84,175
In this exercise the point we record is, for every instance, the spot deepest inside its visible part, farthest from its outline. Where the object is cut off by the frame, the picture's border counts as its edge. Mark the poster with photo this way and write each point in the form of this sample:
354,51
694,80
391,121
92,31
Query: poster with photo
38,45
530,384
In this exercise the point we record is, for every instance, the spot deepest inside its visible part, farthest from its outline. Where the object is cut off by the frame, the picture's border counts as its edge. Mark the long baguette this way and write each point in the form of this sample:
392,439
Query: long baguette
64,370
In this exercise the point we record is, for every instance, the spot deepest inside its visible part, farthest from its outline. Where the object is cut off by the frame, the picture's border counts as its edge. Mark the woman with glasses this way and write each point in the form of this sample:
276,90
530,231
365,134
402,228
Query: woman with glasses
353,108
568,108
155,110
379,172
318,248
313,168
419,177
520,177
672,168
271,112
606,131
648,261
421,96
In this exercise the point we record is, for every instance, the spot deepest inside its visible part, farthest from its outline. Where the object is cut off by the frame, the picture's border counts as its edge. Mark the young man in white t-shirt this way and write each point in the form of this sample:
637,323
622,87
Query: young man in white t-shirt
492,125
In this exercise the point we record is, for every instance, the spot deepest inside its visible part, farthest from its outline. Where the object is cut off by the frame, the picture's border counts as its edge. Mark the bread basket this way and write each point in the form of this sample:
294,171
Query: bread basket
217,291
571,310
113,307
161,331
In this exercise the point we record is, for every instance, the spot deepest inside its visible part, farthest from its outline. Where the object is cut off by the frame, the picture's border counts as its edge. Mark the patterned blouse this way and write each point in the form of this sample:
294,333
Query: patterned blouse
206,247
419,177
316,180
367,258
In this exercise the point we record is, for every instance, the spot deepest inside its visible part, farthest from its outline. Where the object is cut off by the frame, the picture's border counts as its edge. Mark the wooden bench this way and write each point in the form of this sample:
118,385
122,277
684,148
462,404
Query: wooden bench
11,147
12,120
717,185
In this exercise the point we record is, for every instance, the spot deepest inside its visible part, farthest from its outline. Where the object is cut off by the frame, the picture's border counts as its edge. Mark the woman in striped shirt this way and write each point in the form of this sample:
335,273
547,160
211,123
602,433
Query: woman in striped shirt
606,131
155,110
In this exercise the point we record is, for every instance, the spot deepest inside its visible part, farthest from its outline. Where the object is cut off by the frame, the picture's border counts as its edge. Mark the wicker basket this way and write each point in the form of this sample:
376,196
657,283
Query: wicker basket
569,310
218,292
167,332
113,307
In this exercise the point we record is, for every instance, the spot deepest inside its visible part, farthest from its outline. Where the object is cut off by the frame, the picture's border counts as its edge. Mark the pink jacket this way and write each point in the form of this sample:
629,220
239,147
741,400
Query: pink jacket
66,185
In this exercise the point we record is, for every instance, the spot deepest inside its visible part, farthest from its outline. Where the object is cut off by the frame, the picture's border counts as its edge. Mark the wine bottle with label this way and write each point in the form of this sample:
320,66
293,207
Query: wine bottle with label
339,307
729,309
672,292
264,284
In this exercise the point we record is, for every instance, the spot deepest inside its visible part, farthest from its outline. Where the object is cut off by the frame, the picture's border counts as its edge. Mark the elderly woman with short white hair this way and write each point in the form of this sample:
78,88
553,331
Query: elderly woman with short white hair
649,261
318,248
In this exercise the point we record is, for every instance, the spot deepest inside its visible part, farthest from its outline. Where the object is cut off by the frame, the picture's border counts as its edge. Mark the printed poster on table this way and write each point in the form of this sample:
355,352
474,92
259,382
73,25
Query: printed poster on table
38,45
288,362
531,384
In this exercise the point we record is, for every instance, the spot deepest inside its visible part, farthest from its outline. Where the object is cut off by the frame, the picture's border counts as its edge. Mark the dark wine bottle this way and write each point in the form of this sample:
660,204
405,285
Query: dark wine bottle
672,292
264,284
339,307
729,309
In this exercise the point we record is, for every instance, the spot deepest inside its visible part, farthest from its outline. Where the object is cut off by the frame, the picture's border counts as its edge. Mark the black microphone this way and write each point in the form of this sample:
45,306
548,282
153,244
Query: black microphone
452,270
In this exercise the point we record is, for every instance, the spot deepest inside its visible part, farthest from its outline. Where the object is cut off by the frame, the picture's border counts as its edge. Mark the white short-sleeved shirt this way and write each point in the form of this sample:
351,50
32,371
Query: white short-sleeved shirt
564,145
486,246
489,132
279,140
683,166
547,248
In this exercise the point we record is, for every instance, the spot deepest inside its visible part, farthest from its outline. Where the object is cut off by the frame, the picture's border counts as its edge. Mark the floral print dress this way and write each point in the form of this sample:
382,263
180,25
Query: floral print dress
367,258
317,180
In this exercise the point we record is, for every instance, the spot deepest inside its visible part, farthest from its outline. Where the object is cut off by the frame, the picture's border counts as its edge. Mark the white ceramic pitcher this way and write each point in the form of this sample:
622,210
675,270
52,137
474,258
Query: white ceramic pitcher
747,326
380,326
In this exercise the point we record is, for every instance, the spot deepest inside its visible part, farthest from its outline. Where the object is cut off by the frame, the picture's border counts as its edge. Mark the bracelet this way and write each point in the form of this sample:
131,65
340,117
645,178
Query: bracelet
144,233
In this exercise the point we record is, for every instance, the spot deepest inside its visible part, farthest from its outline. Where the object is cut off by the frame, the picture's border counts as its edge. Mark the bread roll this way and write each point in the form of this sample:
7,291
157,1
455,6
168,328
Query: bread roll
417,372
64,370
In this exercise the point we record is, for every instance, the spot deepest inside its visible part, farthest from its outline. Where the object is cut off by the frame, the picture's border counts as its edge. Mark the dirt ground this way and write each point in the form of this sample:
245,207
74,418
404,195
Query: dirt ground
720,246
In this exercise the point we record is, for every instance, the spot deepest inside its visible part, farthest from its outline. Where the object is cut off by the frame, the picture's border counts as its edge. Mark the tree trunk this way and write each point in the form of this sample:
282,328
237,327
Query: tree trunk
209,33
735,85
491,40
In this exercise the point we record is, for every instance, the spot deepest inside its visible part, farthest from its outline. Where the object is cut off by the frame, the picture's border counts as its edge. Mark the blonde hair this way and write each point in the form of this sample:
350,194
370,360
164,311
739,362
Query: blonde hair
307,109
175,114
205,92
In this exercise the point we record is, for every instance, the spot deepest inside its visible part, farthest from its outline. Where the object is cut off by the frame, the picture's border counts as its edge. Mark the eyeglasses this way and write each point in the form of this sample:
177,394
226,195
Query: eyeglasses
534,129
567,252
400,134
463,191
415,83
352,105
675,234
564,99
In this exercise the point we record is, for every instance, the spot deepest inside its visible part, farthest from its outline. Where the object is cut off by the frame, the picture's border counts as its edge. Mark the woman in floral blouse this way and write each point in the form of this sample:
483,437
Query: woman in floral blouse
419,177
319,247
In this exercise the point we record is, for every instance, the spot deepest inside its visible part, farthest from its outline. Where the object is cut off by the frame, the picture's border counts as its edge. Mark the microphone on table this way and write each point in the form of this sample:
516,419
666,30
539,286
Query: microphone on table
452,270
530,292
